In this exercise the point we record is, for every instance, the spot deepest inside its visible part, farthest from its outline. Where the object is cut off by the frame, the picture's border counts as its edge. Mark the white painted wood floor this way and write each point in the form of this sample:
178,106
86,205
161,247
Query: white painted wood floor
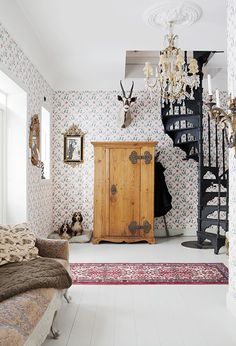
145,315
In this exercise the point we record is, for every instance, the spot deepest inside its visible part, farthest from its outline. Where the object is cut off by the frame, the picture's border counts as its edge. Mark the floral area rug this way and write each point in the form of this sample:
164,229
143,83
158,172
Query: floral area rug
149,273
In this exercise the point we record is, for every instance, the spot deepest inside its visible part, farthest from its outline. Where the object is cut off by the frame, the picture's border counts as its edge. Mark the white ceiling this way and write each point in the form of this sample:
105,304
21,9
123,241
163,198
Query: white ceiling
82,45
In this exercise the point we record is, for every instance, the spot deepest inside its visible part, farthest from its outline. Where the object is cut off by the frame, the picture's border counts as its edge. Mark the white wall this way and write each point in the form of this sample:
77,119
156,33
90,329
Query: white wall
14,19
231,299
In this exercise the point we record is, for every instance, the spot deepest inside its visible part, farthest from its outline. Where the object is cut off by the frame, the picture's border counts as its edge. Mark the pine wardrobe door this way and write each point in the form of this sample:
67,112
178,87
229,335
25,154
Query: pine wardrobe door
100,203
124,192
147,194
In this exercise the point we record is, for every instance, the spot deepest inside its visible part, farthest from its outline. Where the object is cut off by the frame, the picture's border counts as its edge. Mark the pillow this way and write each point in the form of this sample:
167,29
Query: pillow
17,244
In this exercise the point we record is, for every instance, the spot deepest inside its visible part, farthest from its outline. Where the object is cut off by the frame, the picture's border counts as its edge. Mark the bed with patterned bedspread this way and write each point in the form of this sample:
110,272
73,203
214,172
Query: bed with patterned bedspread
26,318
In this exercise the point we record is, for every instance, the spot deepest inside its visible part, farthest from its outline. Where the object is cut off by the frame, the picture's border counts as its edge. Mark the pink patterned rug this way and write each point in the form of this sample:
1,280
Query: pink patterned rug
149,273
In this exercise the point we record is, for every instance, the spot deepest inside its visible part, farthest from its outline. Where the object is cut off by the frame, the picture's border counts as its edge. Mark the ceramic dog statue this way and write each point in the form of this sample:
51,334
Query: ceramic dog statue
65,231
76,224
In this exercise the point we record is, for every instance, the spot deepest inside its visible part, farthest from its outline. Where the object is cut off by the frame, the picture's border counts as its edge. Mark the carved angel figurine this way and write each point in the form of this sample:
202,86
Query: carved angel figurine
180,61
193,66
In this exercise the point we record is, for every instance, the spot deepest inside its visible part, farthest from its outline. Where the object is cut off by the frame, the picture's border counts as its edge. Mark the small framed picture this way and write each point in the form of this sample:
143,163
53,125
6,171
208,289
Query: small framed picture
73,146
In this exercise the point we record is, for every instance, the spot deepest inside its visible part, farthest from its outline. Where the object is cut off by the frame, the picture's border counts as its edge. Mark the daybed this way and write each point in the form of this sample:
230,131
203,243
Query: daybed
27,318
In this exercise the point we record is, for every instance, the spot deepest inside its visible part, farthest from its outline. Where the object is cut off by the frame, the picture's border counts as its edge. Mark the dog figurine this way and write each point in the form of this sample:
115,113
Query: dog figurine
76,224
65,231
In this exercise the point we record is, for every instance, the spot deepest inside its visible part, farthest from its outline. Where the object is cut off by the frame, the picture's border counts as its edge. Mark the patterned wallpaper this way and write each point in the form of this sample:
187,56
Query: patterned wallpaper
232,161
19,67
97,114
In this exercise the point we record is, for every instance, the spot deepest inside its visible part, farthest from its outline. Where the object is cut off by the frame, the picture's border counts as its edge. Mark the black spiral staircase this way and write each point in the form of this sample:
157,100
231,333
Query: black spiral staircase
206,145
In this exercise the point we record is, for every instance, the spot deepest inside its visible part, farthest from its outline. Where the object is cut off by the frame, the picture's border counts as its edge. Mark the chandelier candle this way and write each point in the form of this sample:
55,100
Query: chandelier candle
156,72
209,84
232,87
217,98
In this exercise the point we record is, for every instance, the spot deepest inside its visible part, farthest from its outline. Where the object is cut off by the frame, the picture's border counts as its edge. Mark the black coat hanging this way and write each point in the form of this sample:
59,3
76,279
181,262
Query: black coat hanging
162,197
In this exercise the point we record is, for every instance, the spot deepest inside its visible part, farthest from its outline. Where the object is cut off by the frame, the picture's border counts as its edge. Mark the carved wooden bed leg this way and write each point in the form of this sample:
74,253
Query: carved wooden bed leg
67,297
55,332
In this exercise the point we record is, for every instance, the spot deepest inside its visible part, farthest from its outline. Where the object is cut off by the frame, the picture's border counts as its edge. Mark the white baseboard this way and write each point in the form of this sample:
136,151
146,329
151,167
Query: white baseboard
190,233
173,232
231,303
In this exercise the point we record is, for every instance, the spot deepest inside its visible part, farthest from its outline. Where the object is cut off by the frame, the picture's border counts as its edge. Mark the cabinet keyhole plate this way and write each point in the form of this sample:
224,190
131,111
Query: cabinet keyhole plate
113,189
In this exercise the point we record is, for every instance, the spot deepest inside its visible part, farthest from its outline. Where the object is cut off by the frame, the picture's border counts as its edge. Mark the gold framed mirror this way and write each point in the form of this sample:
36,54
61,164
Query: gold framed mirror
34,140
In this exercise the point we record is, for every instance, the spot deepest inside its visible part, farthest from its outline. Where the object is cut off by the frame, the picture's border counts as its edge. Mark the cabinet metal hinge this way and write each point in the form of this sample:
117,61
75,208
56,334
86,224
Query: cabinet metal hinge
134,157
133,227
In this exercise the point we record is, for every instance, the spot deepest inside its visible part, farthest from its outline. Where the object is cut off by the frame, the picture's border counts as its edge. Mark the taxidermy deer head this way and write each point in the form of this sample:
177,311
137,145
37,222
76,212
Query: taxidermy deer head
125,112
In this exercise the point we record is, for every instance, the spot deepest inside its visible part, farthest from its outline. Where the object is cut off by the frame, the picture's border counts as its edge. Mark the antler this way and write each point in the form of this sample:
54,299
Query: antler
123,91
131,90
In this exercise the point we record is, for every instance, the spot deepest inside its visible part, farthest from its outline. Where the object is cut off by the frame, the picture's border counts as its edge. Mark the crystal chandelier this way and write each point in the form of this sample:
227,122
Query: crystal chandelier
175,79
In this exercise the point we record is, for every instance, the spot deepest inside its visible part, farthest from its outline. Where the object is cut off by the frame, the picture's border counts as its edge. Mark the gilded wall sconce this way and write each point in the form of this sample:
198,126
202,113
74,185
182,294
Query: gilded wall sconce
226,119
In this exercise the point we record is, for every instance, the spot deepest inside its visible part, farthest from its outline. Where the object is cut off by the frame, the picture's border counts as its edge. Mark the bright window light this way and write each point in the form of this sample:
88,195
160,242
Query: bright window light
13,152
3,99
45,141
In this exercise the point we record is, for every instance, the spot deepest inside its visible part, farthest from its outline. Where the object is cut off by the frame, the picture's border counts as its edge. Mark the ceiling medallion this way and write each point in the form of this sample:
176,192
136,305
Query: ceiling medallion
177,12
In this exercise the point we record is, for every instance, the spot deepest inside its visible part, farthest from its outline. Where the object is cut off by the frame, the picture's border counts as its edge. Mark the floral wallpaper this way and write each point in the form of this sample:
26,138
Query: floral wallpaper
231,31
22,70
97,114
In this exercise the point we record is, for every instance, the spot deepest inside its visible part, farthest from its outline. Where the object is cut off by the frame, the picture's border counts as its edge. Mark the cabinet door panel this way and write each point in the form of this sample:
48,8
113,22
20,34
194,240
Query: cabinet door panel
147,191
100,204
125,198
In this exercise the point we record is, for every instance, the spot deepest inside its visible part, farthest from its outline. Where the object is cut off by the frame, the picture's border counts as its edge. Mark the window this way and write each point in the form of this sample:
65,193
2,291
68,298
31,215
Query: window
13,151
2,100
2,157
45,141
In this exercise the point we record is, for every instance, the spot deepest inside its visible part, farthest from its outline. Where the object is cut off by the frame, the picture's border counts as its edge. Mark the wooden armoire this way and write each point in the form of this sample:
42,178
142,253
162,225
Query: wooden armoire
124,192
